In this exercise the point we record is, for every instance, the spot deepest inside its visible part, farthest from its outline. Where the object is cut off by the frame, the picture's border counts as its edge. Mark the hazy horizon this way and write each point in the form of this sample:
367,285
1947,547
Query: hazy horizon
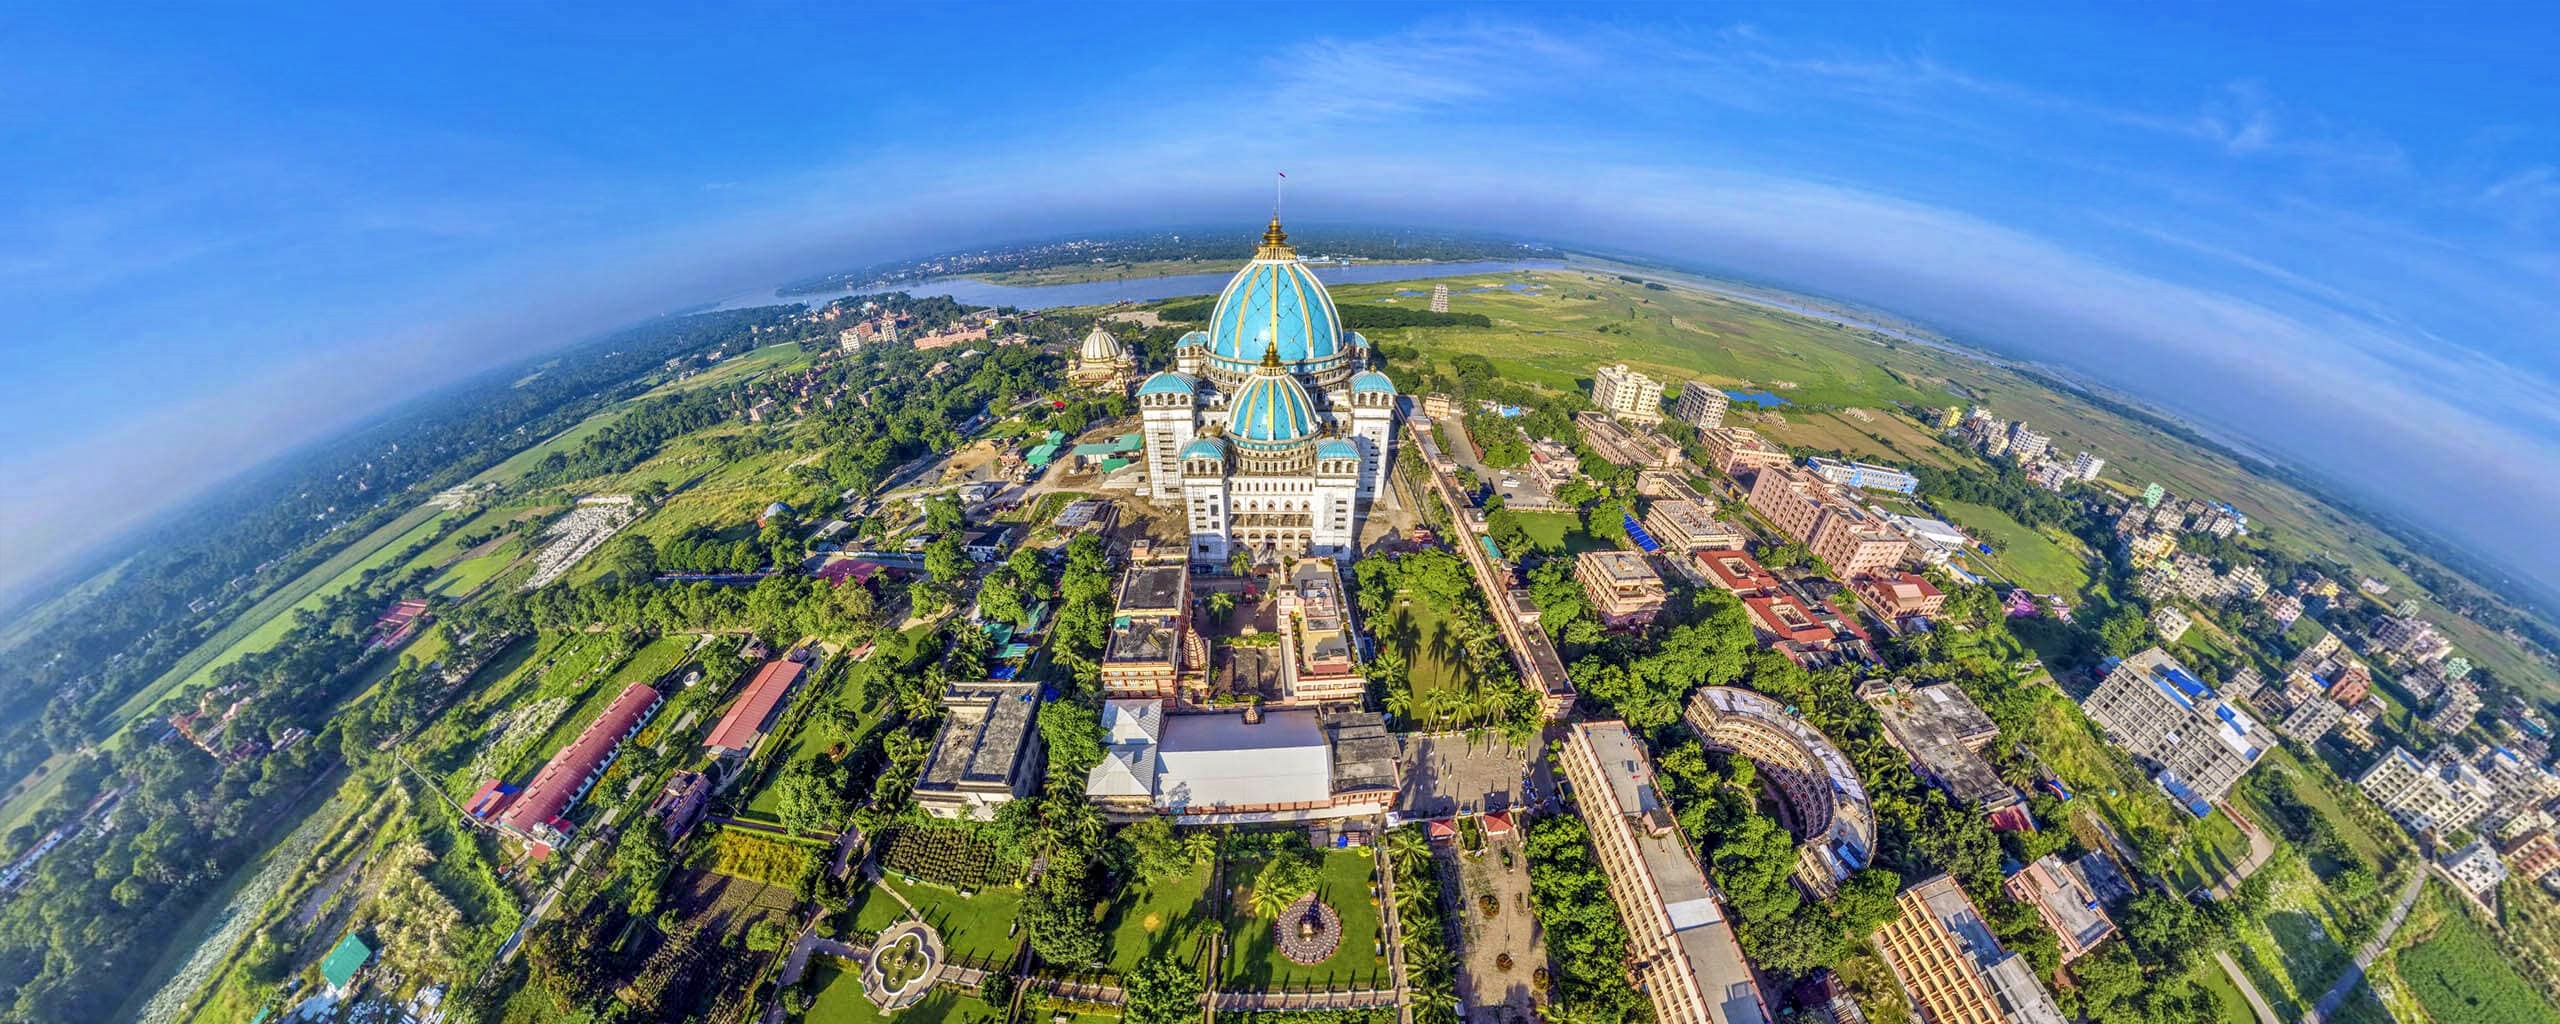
271,225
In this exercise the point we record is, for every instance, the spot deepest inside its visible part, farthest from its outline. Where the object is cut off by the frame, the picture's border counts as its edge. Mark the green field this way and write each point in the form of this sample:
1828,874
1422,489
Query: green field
973,927
266,622
840,1001
2456,970
1158,919
1253,957
2031,558
1557,533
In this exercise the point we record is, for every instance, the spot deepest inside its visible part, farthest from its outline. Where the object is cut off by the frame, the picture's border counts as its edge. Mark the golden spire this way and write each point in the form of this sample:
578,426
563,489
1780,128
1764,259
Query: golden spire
1275,243
1271,351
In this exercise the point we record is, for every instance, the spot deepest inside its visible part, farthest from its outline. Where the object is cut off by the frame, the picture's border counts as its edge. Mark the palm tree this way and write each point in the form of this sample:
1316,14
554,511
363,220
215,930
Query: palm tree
1200,846
1406,845
1281,882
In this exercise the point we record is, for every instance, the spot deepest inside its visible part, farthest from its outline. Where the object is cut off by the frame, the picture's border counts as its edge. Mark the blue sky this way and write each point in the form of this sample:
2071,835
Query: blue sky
2325,230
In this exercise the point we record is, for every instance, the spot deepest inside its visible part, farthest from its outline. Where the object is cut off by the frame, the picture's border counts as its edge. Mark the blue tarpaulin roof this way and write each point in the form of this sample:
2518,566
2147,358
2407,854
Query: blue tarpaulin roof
1635,532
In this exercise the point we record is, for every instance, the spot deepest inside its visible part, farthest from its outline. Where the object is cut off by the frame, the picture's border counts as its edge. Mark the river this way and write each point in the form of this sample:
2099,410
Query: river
975,292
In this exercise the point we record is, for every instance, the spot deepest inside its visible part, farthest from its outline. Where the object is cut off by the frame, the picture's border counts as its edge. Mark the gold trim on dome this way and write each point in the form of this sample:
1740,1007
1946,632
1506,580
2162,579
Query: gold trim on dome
1275,244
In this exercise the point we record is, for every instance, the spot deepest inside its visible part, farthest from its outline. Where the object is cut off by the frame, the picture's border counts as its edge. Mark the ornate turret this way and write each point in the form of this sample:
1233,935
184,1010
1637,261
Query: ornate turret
1275,243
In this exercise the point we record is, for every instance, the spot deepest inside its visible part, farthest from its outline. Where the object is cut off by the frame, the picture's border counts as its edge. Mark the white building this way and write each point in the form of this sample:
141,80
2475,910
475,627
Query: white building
2445,796
1272,433
2476,868
2312,719
1101,364
2086,466
1626,394
2171,623
1701,405
2155,709
2026,445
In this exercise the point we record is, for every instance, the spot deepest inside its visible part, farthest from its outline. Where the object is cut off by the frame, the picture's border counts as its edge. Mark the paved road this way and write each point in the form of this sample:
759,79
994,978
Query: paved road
2257,1003
2337,994
2260,848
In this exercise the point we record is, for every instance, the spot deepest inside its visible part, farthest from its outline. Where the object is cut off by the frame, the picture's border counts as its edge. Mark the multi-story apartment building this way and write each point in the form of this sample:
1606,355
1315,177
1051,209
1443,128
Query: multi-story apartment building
2413,638
2283,608
2521,783
1684,526
1848,539
2534,855
2454,708
1626,394
1791,500
1701,405
1952,967
2026,445
2062,898
1624,591
1738,450
2444,795
2155,709
1145,654
2170,622
2086,466
1680,950
2312,719
2476,868
1315,632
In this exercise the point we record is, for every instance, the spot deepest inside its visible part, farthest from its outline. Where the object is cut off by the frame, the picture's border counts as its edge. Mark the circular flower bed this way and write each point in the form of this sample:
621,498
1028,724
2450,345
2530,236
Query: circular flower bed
1309,931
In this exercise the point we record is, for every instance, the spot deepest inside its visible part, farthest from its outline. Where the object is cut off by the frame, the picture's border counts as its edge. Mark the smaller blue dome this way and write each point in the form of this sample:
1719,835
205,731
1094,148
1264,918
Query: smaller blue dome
1194,339
1169,382
1355,339
1372,380
1206,448
1272,410
1337,448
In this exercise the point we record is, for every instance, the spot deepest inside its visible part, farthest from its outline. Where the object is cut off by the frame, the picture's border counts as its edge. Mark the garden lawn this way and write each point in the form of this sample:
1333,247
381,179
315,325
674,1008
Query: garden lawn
2215,847
2230,1005
1436,672
840,1001
1557,532
1253,955
2029,557
1158,918
973,927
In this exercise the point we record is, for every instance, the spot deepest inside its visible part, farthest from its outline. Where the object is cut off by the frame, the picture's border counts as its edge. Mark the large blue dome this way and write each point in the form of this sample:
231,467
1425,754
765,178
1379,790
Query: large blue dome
1272,411
1275,302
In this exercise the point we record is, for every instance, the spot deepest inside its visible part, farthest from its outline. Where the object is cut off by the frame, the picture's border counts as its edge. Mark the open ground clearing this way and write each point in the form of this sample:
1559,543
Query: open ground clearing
1253,955
1164,918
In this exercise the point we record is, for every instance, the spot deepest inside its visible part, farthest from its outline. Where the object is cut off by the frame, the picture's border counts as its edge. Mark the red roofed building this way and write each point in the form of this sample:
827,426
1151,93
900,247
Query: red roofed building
1786,620
538,814
1738,572
744,726
1894,596
2353,685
